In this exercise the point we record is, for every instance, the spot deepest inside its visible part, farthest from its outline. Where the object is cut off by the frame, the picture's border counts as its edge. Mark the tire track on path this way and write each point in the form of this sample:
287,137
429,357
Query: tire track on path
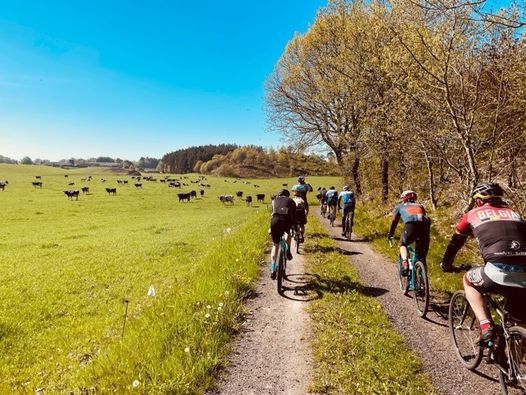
429,338
272,355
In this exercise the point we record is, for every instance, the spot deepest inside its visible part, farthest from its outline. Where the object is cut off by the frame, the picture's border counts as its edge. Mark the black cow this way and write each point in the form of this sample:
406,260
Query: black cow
72,194
202,192
111,191
37,184
193,194
248,200
183,197
85,189
174,184
71,183
284,185
125,181
260,197
138,185
239,193
2,185
227,199
38,177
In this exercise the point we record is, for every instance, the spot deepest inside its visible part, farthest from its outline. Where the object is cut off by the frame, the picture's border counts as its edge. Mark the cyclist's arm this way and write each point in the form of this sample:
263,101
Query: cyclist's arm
455,244
394,223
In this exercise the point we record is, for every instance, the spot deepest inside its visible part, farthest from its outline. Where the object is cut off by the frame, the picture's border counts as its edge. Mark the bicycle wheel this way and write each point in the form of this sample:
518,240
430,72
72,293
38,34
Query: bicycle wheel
421,288
465,331
323,210
516,364
332,216
282,264
297,238
403,280
348,227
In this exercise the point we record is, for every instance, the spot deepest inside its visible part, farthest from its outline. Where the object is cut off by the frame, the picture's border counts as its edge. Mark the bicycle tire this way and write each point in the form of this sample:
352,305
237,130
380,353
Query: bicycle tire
332,217
421,288
465,331
402,280
517,358
297,238
282,264
348,227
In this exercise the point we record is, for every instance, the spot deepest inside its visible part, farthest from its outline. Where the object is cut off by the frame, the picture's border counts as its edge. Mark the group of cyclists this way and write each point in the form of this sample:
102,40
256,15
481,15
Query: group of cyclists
500,232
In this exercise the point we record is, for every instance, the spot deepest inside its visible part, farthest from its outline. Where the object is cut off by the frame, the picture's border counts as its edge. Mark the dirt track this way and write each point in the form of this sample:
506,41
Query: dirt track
272,355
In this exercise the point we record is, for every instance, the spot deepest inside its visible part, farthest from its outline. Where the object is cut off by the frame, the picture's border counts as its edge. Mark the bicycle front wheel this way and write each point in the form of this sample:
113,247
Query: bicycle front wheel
421,288
465,331
515,377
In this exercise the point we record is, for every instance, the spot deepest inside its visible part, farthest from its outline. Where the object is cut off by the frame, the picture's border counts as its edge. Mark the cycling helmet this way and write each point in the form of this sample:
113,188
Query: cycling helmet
332,188
301,179
408,196
346,188
487,190
284,192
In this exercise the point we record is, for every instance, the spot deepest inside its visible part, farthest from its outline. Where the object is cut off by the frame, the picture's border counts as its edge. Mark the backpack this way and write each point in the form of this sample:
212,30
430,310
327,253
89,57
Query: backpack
280,206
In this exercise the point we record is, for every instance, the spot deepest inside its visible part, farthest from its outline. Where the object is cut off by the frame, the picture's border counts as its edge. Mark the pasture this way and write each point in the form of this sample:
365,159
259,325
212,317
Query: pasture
71,269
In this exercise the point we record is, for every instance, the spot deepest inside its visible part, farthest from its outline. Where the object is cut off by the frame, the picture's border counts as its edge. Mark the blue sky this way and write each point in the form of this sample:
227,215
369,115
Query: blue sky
133,78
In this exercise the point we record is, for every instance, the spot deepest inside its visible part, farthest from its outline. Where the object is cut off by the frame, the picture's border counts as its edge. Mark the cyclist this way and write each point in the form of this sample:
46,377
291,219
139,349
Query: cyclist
501,234
283,219
303,188
301,217
331,199
321,197
346,198
416,227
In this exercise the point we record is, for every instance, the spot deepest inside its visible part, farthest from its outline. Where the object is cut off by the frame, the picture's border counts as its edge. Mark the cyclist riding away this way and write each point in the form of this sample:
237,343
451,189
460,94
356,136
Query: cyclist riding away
283,219
417,226
347,201
501,234
331,199
303,188
301,214
321,197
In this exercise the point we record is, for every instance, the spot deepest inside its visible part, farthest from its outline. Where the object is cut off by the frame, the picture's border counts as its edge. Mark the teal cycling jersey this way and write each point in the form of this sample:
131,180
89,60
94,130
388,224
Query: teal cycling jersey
302,189
346,197
331,197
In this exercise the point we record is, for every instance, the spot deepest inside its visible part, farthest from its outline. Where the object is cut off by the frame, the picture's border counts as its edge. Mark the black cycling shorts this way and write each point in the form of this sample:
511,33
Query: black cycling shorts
279,224
419,232
301,218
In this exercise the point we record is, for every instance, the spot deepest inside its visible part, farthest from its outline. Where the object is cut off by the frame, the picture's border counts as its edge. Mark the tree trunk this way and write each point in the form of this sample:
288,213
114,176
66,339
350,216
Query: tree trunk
431,180
356,175
385,179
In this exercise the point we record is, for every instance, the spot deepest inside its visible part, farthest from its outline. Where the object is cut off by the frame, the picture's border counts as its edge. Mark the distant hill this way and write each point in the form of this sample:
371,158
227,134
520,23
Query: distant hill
254,162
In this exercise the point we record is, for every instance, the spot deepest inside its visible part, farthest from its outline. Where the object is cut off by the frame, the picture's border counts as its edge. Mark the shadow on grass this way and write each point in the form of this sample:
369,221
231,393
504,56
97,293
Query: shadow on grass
307,287
328,249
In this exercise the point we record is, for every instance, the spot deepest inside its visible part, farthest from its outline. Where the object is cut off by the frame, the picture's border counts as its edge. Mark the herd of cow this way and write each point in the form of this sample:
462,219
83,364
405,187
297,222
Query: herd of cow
172,183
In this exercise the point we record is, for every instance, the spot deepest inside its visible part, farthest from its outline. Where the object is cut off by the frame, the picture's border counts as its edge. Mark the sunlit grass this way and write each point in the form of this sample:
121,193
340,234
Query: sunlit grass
356,349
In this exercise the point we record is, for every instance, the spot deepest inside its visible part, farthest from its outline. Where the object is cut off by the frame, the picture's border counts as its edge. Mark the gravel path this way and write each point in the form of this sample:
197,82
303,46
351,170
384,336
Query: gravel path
428,337
272,355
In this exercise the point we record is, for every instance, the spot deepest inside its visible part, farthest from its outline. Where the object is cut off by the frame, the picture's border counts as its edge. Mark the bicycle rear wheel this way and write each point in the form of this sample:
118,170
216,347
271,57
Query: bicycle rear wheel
516,364
465,331
421,288
348,227
282,264
297,241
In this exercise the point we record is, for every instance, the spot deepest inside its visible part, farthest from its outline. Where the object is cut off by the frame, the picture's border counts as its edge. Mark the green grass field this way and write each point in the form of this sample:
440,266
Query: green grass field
67,269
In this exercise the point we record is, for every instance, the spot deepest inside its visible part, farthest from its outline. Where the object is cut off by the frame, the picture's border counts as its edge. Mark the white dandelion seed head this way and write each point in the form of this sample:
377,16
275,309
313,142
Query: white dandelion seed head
219,308
221,304
187,349
135,383
208,306
207,315
228,230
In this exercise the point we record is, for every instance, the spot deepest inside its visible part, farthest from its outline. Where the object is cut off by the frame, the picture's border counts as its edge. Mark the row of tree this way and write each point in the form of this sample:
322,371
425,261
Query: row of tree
255,162
425,95
183,160
142,163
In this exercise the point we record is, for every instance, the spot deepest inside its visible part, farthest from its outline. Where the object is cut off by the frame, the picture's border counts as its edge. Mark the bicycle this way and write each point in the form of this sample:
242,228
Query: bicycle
507,351
296,235
282,264
416,280
332,214
348,225
323,210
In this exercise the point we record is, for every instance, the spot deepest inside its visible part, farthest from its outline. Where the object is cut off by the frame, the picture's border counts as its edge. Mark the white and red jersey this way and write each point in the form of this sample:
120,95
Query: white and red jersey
500,231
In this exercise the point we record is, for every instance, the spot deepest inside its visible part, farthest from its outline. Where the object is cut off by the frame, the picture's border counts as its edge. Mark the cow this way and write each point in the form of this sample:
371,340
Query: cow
102,180
202,192
193,194
72,194
183,197
162,180
66,176
38,177
248,200
227,199
85,189
239,194
111,191
71,183
119,181
37,184
125,181
174,184
2,185
284,185
138,185
260,197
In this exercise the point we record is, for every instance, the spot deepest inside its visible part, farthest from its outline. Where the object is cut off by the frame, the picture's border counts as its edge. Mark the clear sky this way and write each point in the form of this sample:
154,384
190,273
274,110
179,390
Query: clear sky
134,78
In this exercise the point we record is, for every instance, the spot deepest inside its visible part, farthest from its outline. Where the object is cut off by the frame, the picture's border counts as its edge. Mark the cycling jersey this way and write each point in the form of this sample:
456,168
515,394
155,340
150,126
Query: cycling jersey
346,197
302,189
409,212
331,197
500,232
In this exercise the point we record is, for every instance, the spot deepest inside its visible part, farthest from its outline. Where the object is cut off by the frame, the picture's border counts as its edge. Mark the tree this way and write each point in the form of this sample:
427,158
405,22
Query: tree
26,160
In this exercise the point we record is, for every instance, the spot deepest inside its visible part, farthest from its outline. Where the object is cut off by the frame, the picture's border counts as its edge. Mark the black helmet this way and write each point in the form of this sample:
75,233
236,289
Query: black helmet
284,192
487,190
301,178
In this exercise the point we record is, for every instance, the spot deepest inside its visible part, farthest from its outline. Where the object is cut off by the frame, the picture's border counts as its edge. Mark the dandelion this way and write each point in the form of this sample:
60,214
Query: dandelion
221,304
151,291
207,315
237,259
187,349
219,308
208,306
135,383
228,230
227,293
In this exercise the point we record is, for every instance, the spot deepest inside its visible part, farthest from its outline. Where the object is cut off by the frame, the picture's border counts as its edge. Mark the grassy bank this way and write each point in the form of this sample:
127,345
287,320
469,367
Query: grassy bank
356,349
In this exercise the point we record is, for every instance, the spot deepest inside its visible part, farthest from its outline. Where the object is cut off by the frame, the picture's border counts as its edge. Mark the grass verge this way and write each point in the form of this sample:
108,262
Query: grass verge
355,347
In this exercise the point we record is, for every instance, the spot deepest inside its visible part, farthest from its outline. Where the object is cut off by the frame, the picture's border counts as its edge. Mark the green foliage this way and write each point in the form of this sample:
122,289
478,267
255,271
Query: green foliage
184,160
355,347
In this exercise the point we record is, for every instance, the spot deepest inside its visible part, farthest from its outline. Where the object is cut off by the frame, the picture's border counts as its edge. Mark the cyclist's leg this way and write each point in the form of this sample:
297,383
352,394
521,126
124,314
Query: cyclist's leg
422,241
276,232
345,212
408,236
